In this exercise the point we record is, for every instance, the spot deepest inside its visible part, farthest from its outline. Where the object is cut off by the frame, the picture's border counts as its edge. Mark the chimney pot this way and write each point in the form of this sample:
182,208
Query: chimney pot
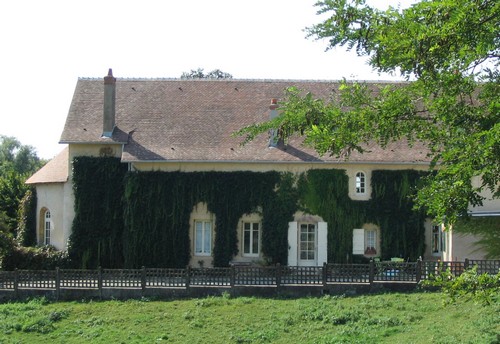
274,104
109,79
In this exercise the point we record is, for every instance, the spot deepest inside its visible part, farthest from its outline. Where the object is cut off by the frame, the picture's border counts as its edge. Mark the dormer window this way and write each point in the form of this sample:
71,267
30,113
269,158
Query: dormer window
360,183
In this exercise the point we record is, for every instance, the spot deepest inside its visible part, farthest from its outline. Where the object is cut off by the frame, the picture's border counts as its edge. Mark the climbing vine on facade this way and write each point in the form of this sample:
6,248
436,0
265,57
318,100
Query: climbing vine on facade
134,219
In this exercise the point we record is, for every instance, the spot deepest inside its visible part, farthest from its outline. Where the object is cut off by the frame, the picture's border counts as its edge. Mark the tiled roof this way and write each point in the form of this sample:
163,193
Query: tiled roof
55,171
192,120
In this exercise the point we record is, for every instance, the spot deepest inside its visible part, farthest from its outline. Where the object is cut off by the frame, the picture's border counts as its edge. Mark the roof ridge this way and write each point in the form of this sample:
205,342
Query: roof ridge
247,80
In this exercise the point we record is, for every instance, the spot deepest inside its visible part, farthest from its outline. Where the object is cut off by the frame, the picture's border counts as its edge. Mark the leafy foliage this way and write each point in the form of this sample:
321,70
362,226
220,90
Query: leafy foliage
450,50
33,258
164,228
153,227
96,236
200,74
17,157
325,192
17,162
484,288
26,232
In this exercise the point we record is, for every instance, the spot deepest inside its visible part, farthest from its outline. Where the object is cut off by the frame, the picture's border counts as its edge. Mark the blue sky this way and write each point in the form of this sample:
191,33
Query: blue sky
47,45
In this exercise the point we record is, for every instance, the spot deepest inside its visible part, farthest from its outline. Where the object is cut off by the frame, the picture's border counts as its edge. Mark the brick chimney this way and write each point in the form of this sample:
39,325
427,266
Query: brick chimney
108,123
273,113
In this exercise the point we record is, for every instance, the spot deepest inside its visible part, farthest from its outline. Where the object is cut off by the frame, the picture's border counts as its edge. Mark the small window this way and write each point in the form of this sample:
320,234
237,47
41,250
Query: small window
371,242
360,183
364,241
47,228
438,240
203,238
251,238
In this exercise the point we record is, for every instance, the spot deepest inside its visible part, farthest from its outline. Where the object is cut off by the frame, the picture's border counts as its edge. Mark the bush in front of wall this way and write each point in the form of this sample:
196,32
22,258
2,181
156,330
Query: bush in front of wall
33,258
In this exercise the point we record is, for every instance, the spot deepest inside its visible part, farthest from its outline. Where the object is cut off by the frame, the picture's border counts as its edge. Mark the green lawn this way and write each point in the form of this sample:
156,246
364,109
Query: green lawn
384,318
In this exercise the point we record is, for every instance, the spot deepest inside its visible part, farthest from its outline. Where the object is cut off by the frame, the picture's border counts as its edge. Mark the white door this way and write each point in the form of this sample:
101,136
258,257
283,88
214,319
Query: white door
308,254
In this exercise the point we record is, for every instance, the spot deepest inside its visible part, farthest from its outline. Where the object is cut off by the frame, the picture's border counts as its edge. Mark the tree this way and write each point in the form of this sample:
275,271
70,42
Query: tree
200,74
449,53
17,163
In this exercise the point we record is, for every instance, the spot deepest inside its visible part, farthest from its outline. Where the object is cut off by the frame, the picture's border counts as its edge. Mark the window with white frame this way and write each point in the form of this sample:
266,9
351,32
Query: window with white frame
307,243
438,240
360,183
203,238
251,239
47,228
371,241
364,241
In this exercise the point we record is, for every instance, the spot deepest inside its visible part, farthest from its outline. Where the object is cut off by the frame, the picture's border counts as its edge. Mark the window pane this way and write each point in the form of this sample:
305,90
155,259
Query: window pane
360,182
199,237
255,239
435,239
208,238
370,238
246,241
307,244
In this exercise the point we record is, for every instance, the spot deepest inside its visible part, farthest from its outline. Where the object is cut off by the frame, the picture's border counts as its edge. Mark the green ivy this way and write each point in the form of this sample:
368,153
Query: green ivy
97,231
158,206
142,218
392,209
26,232
325,193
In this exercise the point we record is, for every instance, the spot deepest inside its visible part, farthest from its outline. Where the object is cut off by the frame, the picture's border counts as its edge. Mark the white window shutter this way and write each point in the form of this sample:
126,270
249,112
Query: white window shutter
322,243
358,241
292,243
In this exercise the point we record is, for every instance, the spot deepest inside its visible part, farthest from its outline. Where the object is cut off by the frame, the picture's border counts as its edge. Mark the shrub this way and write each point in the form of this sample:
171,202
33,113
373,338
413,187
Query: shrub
484,288
33,258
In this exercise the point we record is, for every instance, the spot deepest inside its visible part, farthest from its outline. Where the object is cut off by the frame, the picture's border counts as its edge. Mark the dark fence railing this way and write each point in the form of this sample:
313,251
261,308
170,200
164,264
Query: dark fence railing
237,276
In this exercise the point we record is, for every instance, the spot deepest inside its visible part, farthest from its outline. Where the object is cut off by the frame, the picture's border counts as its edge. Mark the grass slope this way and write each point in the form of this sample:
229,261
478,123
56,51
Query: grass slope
384,318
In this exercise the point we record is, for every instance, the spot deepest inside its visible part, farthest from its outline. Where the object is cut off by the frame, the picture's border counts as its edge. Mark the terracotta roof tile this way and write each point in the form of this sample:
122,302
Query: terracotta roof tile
55,171
192,120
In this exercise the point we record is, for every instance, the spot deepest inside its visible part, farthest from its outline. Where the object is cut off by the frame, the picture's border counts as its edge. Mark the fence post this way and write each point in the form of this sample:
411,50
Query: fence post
58,283
466,263
143,280
371,276
16,283
278,276
325,273
418,270
188,278
232,277
99,281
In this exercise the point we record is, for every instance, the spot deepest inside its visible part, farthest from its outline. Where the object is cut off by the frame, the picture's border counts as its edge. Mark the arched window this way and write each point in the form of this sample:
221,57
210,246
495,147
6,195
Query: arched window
47,228
360,183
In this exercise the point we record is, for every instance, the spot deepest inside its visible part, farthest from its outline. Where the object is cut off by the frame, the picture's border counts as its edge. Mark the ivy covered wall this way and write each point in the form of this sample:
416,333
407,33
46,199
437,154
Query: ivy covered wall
158,205
133,219
97,232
